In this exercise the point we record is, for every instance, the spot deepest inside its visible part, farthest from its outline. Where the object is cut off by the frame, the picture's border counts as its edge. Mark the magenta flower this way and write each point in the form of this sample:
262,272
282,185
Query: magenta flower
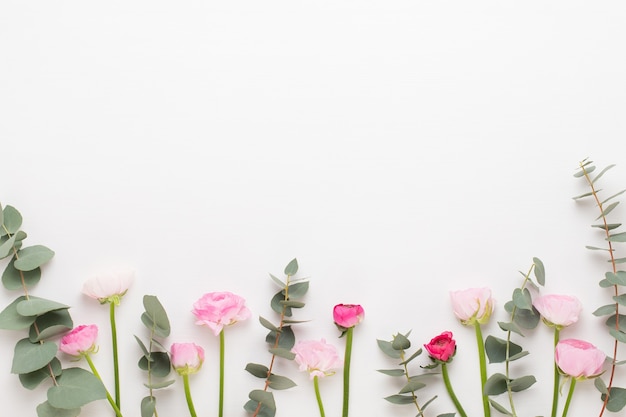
579,359
348,315
187,358
558,310
219,309
109,287
81,340
318,358
442,347
472,305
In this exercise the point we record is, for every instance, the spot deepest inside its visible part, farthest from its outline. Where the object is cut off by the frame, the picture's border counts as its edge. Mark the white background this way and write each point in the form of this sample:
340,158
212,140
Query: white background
398,149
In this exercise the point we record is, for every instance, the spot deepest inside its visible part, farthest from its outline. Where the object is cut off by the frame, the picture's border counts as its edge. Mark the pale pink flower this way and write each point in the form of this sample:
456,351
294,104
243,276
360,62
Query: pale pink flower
318,358
442,347
472,305
348,315
579,359
81,340
187,358
219,309
558,310
109,287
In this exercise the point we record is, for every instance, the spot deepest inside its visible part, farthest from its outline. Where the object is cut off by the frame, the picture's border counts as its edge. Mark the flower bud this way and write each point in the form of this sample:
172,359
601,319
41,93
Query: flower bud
579,359
187,358
558,310
348,315
472,305
442,348
81,340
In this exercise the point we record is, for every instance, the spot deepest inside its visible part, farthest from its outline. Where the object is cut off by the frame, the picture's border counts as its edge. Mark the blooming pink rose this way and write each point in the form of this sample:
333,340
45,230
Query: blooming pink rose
187,358
579,359
472,305
219,309
80,340
317,357
558,310
348,315
109,287
442,347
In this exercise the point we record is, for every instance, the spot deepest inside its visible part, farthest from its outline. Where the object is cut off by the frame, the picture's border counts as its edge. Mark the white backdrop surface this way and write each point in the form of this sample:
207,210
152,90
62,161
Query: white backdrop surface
397,149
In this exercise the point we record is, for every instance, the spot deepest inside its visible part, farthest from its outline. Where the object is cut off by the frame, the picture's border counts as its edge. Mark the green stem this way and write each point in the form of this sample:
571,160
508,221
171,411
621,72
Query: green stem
483,368
192,410
455,400
118,413
116,369
555,390
318,396
572,385
221,405
346,372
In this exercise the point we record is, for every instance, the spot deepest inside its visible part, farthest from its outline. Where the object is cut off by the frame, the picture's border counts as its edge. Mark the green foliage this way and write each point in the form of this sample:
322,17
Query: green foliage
396,348
29,357
46,410
613,279
280,339
76,387
155,361
32,380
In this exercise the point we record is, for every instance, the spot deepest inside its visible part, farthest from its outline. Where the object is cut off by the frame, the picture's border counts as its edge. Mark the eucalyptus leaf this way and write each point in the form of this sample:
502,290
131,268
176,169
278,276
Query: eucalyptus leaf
618,335
617,399
527,319
32,380
607,210
260,371
522,383
522,299
12,220
600,385
6,248
276,305
392,372
76,387
292,303
400,399
29,357
35,306
277,281
286,338
597,177
279,382
268,324
148,406
283,353
612,321
160,365
604,310
12,278
292,268
11,320
412,386
620,299
496,384
159,385
413,356
263,410
496,349
608,226
46,410
33,257
613,196
144,349
539,271
157,314
386,347
500,408
299,289
50,324
617,237
400,342
264,397
510,327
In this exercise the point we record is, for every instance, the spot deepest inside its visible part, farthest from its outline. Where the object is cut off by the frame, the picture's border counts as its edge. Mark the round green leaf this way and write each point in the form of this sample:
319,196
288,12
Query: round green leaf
160,365
291,268
76,387
12,278
148,405
298,290
33,257
12,220
50,324
32,380
46,410
260,371
155,311
11,320
278,382
6,248
35,306
29,357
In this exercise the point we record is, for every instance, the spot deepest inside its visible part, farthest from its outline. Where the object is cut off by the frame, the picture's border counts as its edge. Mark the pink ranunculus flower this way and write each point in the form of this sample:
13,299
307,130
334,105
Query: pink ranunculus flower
348,315
109,287
472,305
317,357
187,358
81,340
579,359
442,348
558,310
219,309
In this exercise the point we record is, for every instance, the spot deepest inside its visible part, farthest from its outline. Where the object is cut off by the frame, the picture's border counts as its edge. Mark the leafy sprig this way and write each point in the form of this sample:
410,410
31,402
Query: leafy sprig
35,356
613,398
155,360
280,339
